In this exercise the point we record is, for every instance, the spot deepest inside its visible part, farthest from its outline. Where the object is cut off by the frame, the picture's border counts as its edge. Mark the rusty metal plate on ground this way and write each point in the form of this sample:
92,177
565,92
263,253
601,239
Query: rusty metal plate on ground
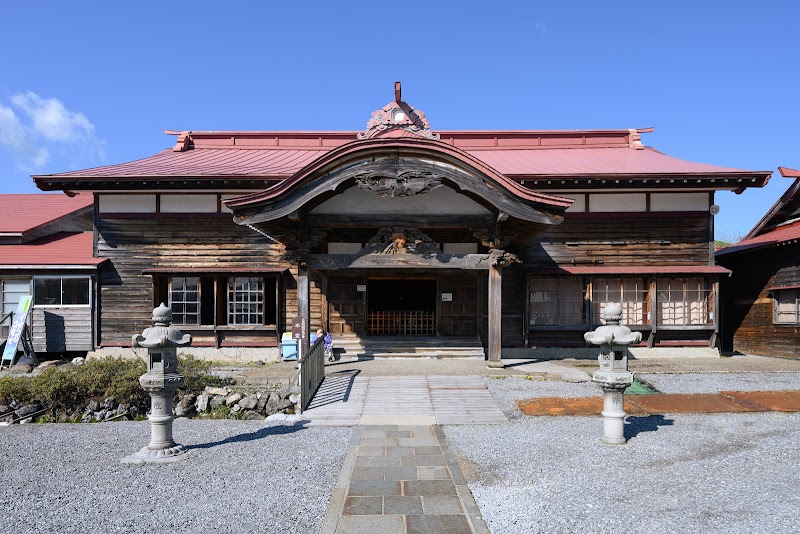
777,401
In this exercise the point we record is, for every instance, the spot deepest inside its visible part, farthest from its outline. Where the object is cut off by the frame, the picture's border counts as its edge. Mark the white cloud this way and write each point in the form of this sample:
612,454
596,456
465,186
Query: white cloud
15,137
52,120
48,124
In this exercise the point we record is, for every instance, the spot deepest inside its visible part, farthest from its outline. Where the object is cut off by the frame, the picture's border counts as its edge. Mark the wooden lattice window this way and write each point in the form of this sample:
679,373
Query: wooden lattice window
786,306
184,299
557,301
245,300
683,301
630,293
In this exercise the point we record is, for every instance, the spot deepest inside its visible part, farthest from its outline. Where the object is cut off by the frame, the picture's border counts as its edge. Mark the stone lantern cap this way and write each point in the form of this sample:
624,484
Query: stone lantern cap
612,333
162,335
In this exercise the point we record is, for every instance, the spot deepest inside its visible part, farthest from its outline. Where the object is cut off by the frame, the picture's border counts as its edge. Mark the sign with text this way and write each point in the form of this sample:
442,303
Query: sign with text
361,288
299,328
447,297
20,316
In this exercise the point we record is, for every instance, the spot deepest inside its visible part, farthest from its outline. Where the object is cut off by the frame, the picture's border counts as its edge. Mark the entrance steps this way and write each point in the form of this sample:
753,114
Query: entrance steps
408,347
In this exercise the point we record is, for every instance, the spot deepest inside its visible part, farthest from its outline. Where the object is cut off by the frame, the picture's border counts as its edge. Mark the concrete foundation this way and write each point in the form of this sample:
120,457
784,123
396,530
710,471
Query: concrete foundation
590,353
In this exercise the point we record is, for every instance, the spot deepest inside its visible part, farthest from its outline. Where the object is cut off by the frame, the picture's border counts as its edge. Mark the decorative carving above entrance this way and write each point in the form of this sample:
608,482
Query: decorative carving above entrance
401,240
501,258
397,117
406,184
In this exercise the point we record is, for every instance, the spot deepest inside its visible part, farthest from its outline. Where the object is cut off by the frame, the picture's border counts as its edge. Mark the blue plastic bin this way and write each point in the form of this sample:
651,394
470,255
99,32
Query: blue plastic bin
288,347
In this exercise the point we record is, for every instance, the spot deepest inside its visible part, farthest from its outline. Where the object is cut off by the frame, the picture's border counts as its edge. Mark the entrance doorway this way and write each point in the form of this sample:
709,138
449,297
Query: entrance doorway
401,307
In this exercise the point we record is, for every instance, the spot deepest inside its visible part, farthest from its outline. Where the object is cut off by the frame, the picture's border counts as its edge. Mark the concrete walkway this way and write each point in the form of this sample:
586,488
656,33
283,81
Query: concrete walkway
347,399
400,479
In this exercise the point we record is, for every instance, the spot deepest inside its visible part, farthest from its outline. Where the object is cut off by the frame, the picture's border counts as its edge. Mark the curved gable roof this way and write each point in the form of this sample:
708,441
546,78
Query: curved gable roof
327,173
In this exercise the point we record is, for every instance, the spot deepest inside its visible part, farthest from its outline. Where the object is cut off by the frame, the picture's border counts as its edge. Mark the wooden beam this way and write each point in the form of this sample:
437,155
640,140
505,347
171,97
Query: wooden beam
495,315
426,221
303,300
398,261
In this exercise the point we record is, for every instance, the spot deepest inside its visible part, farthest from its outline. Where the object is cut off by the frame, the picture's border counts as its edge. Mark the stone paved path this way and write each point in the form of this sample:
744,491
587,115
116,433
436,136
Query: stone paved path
345,398
400,479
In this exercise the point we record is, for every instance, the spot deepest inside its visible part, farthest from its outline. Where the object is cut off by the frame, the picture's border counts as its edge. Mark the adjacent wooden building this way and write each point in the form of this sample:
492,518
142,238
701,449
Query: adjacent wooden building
762,297
509,238
46,250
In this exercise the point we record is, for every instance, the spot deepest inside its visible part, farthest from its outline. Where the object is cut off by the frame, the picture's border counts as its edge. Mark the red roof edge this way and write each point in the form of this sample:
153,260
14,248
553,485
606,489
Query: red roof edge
786,172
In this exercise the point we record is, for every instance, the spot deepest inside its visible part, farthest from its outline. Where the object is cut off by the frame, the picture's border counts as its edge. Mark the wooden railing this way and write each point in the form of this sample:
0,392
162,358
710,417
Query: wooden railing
312,372
402,323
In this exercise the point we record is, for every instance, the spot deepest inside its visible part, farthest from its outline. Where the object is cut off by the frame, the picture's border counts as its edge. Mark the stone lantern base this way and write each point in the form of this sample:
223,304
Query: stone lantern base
160,456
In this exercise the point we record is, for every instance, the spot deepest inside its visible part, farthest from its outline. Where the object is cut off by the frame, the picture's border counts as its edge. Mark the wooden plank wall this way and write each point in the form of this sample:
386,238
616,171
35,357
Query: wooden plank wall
646,239
61,329
747,316
135,244
317,301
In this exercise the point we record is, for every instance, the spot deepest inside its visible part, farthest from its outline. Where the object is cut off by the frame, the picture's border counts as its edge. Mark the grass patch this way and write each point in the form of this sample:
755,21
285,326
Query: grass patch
641,387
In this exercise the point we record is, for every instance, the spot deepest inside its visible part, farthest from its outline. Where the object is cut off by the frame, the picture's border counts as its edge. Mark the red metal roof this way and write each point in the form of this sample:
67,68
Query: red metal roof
278,155
642,269
22,213
781,234
58,250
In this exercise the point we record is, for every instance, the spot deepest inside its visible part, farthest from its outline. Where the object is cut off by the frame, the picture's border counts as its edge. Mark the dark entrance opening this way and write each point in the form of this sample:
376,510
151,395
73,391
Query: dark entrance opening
401,307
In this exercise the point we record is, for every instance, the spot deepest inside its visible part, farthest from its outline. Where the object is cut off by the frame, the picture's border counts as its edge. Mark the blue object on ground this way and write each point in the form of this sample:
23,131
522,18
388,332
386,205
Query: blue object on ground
288,347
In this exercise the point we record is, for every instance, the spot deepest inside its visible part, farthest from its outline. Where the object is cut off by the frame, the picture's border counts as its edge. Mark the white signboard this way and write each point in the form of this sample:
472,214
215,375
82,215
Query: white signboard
447,297
20,316
361,288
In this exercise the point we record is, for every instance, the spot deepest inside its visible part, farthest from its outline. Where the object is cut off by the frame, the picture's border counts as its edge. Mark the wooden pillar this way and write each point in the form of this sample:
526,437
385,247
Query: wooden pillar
495,314
303,299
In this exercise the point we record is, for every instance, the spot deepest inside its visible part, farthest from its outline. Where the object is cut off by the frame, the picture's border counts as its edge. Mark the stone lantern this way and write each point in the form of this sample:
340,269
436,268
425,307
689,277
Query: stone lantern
613,376
160,381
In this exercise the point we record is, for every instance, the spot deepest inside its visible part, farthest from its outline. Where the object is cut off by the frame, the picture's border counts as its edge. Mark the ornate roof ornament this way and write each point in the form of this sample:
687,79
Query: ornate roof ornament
397,119
405,184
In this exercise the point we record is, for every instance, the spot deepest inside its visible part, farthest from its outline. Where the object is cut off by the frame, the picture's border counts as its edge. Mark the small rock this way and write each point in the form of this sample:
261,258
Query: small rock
230,400
277,417
5,408
78,361
260,362
21,369
100,416
86,418
123,409
216,401
236,408
216,391
250,415
249,403
262,402
135,412
93,406
202,403
109,415
28,409
108,404
294,398
14,404
26,421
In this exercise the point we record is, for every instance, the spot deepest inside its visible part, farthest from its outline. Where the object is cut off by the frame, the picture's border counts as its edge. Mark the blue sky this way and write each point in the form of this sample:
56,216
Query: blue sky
91,83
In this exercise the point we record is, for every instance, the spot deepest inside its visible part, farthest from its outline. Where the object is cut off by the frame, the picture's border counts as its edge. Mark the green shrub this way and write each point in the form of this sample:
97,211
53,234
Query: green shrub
195,374
15,387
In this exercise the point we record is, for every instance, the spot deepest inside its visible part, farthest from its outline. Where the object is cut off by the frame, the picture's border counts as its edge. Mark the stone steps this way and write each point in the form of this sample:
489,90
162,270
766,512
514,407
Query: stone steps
410,347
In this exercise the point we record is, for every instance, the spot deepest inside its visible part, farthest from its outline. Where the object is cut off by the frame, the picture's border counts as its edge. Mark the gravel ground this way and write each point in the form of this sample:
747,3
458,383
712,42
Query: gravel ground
240,477
716,382
678,473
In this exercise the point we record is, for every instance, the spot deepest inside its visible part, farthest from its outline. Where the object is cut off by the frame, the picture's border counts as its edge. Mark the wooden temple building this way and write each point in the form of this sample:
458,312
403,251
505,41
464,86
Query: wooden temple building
762,297
510,239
